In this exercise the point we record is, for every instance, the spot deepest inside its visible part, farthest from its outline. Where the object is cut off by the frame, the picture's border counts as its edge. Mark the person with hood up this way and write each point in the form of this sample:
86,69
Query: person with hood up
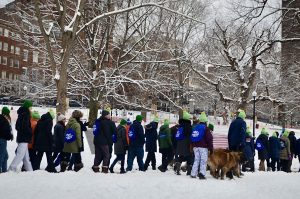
151,143
274,151
24,135
202,144
285,152
165,145
59,138
5,135
293,141
43,141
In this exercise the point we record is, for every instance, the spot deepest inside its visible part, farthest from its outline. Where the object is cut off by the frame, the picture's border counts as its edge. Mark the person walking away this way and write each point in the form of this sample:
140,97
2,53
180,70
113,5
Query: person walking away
151,143
120,147
285,152
35,117
274,151
5,135
73,142
104,129
262,146
202,144
249,152
297,150
136,144
43,141
165,145
59,138
293,141
24,135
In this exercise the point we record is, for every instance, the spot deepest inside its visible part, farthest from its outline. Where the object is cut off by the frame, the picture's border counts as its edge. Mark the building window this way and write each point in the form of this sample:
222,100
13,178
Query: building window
11,76
24,71
7,75
16,77
0,59
12,49
16,63
17,51
6,33
18,36
25,55
0,45
5,46
34,74
11,62
35,57
4,60
12,34
3,74
1,31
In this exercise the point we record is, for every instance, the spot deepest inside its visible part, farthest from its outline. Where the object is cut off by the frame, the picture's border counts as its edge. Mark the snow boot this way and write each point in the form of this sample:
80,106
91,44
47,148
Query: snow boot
177,168
154,167
63,166
111,170
122,171
77,167
188,170
96,169
201,176
104,169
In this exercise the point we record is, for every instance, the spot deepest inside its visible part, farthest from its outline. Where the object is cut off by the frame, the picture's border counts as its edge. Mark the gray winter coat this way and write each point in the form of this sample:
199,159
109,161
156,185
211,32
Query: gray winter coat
121,144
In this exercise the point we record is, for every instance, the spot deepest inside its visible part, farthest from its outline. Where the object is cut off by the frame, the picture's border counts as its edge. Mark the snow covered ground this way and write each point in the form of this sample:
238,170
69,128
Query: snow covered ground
150,184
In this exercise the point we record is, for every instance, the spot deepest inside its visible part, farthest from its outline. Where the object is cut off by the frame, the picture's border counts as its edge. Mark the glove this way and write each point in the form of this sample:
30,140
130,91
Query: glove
86,123
290,157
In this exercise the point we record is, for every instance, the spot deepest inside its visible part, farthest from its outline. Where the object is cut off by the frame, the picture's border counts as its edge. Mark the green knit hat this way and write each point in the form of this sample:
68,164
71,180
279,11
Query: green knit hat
274,134
52,113
5,111
139,118
203,118
242,114
123,122
248,132
211,127
286,133
264,131
156,119
27,103
35,115
167,122
186,116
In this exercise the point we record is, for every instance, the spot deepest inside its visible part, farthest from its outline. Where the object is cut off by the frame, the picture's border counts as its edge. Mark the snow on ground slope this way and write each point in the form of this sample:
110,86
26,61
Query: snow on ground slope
150,184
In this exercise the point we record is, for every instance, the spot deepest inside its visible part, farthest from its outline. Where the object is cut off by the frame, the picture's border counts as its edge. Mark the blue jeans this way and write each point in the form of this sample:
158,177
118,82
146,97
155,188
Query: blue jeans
3,155
137,152
120,157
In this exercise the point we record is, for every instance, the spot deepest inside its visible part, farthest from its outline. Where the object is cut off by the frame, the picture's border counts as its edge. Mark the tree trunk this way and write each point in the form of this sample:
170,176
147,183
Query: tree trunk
93,107
61,106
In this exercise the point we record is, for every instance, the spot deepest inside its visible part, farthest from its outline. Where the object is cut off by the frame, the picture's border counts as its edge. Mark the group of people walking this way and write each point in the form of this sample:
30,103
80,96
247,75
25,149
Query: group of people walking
190,141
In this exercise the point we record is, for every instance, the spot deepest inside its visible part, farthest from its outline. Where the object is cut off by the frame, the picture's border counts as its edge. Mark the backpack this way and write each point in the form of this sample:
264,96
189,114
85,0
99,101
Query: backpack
282,144
198,133
131,134
70,135
259,145
114,137
179,134
96,128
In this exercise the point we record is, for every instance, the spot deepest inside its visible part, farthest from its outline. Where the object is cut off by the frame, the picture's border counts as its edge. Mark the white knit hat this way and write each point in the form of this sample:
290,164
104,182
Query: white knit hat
61,117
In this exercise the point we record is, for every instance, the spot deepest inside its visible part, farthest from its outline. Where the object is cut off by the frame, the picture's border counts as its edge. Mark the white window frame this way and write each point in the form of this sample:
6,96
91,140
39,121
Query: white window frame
5,46
1,31
11,62
17,50
35,57
16,63
25,52
6,33
12,49
4,60
0,45
24,71
3,74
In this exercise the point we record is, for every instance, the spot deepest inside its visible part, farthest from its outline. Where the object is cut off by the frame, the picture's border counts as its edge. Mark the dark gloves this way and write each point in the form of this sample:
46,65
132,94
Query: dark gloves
86,123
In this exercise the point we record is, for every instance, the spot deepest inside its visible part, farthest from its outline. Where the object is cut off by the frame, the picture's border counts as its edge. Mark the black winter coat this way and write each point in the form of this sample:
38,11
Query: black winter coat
139,140
59,137
121,144
249,149
173,134
183,146
237,133
274,147
43,139
5,129
23,125
151,137
293,140
263,154
107,129
83,128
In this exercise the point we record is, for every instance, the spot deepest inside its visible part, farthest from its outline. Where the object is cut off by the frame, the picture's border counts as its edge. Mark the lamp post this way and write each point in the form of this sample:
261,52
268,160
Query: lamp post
25,89
254,97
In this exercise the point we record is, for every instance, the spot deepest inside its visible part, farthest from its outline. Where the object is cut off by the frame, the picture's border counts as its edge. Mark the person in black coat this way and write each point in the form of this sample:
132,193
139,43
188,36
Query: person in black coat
293,141
274,151
102,141
151,143
263,153
249,151
136,144
297,150
5,135
43,141
24,135
59,138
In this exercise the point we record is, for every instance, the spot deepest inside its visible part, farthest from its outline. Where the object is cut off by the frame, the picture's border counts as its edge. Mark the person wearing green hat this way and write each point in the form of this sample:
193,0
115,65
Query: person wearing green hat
136,144
151,143
182,137
43,141
165,145
249,152
237,133
262,146
120,147
24,136
5,135
285,152
274,151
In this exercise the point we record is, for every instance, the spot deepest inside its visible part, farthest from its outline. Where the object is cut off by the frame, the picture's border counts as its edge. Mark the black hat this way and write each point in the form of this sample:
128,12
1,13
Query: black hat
105,113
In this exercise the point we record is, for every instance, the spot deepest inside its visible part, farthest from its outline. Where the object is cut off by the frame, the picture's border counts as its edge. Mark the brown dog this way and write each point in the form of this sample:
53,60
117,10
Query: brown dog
224,160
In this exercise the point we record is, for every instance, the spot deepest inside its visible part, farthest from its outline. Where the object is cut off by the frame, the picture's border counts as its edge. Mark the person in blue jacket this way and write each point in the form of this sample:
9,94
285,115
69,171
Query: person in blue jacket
249,152
151,143
237,133
136,144
263,152
274,151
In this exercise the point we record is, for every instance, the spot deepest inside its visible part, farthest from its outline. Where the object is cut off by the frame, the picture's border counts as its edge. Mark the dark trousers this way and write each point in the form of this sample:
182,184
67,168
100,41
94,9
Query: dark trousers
120,157
188,159
150,158
274,163
248,165
32,155
102,154
65,157
72,160
137,152
167,156
39,156
284,164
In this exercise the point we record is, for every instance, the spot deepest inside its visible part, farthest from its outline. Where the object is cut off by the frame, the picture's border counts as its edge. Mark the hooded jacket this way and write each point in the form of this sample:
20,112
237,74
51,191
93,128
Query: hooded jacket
151,137
107,129
5,129
73,147
237,133
43,139
183,146
164,137
23,126
121,144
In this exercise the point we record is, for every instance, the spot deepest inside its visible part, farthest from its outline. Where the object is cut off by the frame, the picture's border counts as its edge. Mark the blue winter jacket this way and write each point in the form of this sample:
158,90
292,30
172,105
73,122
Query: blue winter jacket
237,133
151,137
249,149
139,140
274,147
